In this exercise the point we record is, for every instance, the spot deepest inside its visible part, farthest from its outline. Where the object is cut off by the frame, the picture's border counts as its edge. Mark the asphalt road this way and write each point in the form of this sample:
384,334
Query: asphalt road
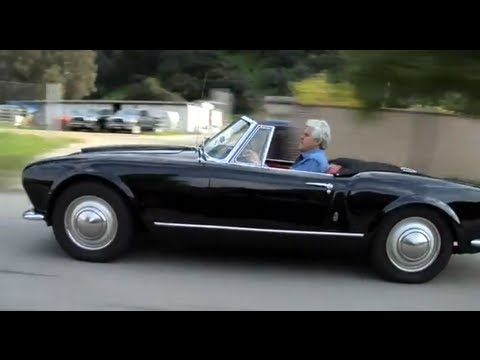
36,275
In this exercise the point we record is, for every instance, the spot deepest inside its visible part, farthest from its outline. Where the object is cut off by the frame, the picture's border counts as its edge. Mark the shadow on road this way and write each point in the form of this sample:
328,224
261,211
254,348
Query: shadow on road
230,252
236,251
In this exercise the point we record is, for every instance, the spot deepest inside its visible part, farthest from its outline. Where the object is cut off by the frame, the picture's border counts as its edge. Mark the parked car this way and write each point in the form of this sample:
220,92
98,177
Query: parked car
132,120
89,119
96,199
17,114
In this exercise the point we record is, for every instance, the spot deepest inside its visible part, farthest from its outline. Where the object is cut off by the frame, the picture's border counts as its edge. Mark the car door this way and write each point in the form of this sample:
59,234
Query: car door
263,199
171,192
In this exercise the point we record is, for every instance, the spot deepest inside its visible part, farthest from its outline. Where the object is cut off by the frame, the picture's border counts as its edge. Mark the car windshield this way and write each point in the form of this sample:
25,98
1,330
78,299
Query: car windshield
220,146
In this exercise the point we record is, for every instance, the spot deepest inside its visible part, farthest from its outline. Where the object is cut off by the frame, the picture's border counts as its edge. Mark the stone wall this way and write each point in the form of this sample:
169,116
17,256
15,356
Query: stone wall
436,144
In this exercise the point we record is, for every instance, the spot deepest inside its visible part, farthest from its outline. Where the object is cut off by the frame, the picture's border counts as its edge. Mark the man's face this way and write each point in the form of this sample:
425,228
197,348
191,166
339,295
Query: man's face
307,142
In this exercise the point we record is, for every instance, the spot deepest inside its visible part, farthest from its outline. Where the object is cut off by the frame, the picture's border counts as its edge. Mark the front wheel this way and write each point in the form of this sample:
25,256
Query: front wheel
412,246
91,222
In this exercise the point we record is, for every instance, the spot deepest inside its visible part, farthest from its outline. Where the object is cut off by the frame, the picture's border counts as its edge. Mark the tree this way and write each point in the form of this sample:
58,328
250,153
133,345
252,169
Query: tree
402,78
148,89
76,70
249,74
317,90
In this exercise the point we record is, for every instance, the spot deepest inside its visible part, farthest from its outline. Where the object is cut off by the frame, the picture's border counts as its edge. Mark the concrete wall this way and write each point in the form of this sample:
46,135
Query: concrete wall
436,144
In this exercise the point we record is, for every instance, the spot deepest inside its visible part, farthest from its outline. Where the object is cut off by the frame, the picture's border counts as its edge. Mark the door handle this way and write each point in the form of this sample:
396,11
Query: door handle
327,186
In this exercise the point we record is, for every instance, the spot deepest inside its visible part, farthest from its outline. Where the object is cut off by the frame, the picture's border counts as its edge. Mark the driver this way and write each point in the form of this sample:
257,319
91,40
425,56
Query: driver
314,141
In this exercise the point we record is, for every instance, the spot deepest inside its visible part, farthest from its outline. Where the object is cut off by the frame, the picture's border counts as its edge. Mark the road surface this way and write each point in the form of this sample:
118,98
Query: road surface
36,275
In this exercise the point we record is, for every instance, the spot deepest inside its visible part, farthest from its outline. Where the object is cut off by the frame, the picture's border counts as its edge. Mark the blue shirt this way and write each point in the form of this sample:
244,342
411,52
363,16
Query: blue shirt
313,160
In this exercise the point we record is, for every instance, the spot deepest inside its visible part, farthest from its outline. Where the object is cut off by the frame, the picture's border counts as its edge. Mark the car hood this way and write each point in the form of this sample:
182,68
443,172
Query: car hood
184,152
138,149
141,153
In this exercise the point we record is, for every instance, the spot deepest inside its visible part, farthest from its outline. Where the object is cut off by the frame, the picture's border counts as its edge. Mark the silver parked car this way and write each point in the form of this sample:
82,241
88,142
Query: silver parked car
132,120
91,119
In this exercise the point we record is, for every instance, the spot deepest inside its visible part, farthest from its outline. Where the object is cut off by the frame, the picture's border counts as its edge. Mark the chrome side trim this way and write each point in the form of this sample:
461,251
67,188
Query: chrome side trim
296,232
32,215
475,243
328,186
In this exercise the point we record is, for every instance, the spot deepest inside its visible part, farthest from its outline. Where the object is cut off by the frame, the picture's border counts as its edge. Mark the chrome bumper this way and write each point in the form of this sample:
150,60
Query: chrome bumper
32,215
475,243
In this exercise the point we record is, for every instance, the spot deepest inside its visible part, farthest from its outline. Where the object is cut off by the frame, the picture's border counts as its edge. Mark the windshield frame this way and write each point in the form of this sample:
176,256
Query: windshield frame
240,143
246,142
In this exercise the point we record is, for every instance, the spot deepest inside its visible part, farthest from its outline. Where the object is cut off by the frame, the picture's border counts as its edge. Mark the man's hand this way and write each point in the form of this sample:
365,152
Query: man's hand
251,156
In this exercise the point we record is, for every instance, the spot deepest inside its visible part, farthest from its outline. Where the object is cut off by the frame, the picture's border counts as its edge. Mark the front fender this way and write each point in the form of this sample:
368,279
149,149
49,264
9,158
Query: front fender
86,174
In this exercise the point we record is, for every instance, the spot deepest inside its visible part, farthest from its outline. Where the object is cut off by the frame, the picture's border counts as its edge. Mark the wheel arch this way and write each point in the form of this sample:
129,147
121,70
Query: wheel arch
440,207
113,183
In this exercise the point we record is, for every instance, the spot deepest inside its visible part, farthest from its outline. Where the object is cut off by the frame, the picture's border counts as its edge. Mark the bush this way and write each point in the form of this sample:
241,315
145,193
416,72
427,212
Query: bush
317,90
148,89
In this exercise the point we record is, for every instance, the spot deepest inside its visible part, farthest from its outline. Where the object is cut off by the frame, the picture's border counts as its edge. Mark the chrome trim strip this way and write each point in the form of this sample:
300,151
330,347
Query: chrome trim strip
325,185
296,232
328,186
32,215
475,243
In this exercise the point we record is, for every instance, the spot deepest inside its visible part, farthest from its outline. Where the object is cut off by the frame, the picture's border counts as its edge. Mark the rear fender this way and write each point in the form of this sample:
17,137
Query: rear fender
415,200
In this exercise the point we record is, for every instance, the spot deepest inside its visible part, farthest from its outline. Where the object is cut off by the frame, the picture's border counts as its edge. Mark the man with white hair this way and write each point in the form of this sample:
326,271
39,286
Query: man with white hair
313,143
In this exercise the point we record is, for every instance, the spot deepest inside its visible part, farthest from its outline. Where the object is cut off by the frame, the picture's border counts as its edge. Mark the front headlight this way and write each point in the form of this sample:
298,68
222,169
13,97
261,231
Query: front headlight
90,119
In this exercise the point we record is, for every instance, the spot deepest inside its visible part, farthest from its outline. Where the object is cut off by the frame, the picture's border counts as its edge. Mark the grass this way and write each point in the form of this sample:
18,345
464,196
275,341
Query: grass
17,150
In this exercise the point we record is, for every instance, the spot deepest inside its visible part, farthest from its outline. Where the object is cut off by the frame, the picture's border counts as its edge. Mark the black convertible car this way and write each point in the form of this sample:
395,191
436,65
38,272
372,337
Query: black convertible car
97,199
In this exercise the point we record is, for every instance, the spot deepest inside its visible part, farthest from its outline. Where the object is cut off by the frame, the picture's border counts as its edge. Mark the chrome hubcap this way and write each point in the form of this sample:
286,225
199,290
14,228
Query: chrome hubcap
413,244
91,223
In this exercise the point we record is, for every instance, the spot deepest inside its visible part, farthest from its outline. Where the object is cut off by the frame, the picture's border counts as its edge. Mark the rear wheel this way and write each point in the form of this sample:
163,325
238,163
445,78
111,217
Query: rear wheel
91,222
412,246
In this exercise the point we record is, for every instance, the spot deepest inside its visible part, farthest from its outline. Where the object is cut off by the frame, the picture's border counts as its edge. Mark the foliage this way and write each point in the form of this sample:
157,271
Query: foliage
249,74
448,80
317,90
403,78
148,89
76,70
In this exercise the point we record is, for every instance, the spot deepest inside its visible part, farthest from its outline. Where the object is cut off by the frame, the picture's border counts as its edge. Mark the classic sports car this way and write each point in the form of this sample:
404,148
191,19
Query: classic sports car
97,198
